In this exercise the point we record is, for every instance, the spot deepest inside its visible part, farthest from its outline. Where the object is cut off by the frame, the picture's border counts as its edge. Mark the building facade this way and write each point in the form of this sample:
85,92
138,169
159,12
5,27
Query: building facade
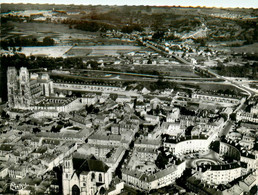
85,176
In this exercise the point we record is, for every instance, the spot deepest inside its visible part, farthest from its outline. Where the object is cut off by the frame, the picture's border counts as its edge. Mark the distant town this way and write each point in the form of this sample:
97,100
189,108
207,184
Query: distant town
128,100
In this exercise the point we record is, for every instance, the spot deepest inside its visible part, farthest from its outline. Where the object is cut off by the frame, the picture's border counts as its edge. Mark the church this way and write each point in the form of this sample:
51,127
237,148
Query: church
85,175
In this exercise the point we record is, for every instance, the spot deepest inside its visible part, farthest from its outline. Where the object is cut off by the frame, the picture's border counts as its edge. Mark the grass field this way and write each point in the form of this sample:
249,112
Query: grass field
216,87
253,48
60,32
48,51
168,70
101,50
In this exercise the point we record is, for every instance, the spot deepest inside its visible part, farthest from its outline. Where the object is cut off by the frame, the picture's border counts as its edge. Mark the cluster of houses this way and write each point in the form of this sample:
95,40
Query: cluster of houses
107,129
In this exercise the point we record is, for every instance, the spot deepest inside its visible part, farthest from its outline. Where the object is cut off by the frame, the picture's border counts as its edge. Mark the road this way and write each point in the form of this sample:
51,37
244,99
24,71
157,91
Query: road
249,91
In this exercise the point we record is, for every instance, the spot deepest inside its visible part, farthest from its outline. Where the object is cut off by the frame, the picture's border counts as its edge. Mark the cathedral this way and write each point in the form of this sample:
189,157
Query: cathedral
24,88
85,175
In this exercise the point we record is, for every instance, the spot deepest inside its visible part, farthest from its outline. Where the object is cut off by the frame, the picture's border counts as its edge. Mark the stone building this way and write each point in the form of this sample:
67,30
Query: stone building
18,87
24,88
85,175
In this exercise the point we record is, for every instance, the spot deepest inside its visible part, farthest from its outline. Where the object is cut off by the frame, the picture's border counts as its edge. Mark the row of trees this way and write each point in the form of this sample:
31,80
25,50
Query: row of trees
91,26
32,62
238,71
19,42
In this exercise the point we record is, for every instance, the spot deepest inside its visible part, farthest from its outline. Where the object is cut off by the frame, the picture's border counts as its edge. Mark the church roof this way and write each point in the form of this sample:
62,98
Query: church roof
88,164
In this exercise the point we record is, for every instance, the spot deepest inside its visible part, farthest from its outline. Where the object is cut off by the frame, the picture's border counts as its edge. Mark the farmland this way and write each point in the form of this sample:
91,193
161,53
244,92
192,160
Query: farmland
107,50
61,33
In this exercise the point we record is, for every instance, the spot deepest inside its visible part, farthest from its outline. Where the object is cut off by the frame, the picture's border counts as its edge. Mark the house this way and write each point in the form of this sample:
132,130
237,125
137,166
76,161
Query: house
147,143
5,151
218,174
174,115
157,180
151,118
123,99
115,129
17,172
172,129
248,183
236,190
155,102
3,171
146,154
100,119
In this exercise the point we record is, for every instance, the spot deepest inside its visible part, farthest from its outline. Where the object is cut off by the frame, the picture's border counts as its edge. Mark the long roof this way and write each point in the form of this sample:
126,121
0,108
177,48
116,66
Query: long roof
81,164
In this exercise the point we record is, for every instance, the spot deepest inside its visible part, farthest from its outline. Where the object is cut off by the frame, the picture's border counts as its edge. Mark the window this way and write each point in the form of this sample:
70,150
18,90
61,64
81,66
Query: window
92,176
100,177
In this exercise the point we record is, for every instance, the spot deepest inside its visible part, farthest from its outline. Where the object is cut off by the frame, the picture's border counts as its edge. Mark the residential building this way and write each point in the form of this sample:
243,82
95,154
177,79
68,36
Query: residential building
219,174
157,180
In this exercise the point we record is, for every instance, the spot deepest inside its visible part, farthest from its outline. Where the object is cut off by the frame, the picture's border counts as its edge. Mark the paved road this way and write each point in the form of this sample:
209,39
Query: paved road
249,91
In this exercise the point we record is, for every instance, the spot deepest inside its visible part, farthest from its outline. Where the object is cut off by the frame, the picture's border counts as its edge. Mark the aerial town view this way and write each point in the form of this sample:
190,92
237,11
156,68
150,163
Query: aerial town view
128,99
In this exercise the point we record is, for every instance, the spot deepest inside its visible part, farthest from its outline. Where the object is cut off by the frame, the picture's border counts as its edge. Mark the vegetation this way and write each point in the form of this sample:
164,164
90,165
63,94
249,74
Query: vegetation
56,129
36,130
162,159
253,190
32,62
5,115
238,71
215,146
131,28
19,42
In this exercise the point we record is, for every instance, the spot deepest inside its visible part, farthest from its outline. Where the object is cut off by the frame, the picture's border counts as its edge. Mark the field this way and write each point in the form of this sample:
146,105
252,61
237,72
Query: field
103,50
61,33
168,70
48,51
253,48
215,87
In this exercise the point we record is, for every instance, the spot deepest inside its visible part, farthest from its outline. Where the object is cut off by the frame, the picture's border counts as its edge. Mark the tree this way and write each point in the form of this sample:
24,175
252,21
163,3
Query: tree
158,35
36,130
93,64
253,190
56,129
5,115
162,159
233,116
89,108
17,117
48,41
224,116
215,146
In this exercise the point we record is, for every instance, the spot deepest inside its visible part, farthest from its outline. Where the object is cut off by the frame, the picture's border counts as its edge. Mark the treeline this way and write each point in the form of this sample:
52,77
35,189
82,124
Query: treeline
91,26
131,28
19,42
95,26
248,70
31,62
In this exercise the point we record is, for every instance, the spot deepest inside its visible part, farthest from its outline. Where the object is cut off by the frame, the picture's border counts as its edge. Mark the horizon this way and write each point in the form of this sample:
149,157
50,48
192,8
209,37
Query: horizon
163,3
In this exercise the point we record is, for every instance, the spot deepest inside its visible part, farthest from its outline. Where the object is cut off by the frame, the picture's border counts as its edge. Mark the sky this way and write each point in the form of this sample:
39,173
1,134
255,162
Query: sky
207,3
